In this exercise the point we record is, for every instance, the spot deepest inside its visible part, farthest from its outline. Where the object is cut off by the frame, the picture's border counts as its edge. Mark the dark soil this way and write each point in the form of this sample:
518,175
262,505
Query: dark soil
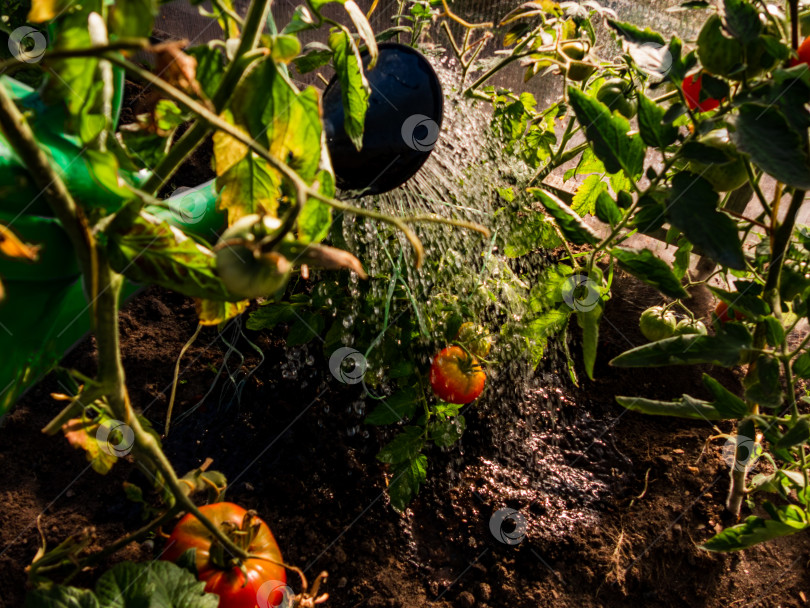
615,503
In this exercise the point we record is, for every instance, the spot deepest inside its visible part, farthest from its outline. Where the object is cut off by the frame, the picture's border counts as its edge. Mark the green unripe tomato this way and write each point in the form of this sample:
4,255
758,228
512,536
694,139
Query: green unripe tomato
657,324
475,338
579,71
574,50
723,177
246,271
689,326
615,95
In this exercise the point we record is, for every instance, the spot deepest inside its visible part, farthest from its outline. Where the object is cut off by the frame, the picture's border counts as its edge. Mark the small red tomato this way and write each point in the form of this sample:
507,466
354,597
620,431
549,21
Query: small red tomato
692,86
803,52
265,582
723,314
456,377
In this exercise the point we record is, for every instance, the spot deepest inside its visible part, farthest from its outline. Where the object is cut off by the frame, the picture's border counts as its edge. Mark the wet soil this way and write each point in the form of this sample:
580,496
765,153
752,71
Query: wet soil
614,503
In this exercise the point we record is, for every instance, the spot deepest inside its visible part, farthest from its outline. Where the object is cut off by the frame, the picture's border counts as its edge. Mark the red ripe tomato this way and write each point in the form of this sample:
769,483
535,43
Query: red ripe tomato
456,377
264,585
692,85
803,52
725,316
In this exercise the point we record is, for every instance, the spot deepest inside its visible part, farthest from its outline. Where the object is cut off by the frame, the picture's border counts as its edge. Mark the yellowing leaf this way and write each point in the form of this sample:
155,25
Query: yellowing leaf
45,10
83,433
212,312
12,247
268,109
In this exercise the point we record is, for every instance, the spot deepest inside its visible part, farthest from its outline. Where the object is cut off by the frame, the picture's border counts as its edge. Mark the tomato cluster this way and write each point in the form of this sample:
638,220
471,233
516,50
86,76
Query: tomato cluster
659,323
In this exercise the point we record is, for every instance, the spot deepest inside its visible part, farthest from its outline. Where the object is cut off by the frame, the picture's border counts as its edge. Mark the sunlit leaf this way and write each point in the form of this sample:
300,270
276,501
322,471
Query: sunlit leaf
353,84
214,312
608,134
645,265
156,252
14,248
755,530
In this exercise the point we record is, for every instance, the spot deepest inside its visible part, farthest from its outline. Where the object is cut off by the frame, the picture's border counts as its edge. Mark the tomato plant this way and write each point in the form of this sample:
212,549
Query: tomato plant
237,584
98,184
713,120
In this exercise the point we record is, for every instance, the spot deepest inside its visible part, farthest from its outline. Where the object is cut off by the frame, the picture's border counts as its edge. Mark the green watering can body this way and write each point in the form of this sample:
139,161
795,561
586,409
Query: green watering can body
46,310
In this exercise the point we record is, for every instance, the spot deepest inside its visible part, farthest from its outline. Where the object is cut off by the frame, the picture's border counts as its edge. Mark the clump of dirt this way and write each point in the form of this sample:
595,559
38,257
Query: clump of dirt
613,503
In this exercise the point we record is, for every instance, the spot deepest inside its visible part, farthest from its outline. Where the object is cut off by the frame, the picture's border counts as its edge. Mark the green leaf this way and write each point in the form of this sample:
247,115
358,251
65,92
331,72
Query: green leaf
406,479
742,20
763,133
286,122
755,530
751,306
130,585
644,264
364,29
541,328
687,407
584,202
133,18
74,78
724,349
283,47
316,216
589,322
767,389
571,225
156,583
395,408
58,596
798,433
608,134
729,405
300,21
651,124
445,433
607,210
801,366
682,257
632,33
403,447
307,326
719,54
529,231
316,55
270,314
317,5
692,209
353,84
155,252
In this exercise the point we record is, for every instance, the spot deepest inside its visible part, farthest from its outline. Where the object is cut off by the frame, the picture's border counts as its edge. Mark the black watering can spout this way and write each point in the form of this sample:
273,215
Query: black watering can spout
402,123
